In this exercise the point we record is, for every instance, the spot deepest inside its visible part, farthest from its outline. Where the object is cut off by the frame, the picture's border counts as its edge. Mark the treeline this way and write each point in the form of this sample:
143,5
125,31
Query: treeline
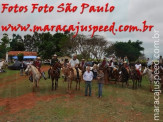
46,44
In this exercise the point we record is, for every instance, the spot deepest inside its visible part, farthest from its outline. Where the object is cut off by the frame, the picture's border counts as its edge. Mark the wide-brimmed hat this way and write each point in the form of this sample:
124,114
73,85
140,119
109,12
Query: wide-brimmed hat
38,58
55,55
125,62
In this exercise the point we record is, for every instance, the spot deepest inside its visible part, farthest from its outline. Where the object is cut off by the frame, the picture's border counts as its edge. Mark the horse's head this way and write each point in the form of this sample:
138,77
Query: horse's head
145,70
28,69
57,65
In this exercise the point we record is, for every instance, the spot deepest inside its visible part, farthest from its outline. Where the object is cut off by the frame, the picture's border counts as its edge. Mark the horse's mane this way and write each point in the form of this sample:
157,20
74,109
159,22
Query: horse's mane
35,69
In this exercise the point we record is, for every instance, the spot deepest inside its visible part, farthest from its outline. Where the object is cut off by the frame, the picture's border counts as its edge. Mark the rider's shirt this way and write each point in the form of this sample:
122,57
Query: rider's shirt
53,61
138,67
37,64
73,62
111,64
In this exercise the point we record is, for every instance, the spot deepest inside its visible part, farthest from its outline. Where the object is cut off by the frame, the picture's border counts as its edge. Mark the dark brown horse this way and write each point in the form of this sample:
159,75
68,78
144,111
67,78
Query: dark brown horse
135,77
55,74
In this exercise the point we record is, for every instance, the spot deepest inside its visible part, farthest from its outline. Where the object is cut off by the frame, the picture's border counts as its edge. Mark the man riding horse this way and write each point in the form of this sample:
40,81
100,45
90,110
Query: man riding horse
74,62
37,64
54,60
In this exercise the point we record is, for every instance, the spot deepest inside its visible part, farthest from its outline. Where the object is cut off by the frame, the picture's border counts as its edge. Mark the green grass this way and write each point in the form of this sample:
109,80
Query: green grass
117,104
8,73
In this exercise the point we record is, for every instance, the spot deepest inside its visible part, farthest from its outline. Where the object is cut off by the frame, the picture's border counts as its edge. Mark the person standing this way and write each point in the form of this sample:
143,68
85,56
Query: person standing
100,79
22,66
88,77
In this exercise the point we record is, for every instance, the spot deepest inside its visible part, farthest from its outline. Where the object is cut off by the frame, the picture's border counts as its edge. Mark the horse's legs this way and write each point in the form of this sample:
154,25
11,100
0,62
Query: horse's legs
136,84
133,84
37,83
79,84
52,84
76,83
70,84
55,84
140,80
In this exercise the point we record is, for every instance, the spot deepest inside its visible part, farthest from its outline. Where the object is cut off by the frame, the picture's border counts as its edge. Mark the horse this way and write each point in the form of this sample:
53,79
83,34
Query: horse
36,75
3,66
55,74
124,76
113,73
70,75
150,75
135,77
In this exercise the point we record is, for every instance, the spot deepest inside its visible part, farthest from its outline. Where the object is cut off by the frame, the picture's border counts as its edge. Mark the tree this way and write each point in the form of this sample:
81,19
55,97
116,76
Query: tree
16,43
4,46
130,49
52,44
20,56
88,47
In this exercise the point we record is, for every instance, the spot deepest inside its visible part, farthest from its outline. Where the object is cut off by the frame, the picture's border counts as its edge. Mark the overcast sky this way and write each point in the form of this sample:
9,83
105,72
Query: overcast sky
127,12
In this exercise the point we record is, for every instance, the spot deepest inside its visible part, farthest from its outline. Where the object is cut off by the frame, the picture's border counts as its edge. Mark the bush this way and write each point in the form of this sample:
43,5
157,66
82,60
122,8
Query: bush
20,56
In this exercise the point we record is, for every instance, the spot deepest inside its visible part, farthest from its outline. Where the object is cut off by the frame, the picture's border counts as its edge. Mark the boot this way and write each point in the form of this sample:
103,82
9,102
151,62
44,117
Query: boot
43,74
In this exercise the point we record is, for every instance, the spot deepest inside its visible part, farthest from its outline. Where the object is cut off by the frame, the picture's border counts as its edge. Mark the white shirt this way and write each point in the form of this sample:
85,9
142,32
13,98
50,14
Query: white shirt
88,76
112,65
73,62
138,66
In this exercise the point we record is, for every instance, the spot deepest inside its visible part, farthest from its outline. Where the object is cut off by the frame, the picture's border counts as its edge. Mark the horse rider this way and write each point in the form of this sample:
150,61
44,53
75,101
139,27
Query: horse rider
104,63
54,60
37,64
138,67
111,65
126,60
74,62
126,66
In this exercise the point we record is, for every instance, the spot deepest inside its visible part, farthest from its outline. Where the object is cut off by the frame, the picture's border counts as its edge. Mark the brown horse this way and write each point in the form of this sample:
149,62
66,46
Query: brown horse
55,74
106,74
70,75
135,77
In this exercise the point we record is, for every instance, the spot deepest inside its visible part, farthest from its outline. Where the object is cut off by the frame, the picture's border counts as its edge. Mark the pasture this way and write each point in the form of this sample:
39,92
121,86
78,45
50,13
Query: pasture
19,103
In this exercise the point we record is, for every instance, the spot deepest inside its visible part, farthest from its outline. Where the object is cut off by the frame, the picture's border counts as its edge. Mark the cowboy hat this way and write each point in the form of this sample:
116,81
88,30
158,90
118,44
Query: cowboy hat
55,55
38,58
125,62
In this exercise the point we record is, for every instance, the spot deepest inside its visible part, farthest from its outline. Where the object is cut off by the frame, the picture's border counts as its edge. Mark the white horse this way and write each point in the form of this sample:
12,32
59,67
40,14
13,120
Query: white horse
3,65
148,72
35,74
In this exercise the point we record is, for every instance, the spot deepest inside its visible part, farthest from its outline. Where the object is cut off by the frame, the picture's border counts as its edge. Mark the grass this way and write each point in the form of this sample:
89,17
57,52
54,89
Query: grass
8,73
117,104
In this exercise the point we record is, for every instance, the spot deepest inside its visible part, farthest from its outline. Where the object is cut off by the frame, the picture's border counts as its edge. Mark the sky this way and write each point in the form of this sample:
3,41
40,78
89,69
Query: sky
126,12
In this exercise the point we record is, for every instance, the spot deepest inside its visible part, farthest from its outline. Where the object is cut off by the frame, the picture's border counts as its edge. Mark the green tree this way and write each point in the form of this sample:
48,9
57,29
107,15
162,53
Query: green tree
130,49
52,44
4,45
16,43
20,56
